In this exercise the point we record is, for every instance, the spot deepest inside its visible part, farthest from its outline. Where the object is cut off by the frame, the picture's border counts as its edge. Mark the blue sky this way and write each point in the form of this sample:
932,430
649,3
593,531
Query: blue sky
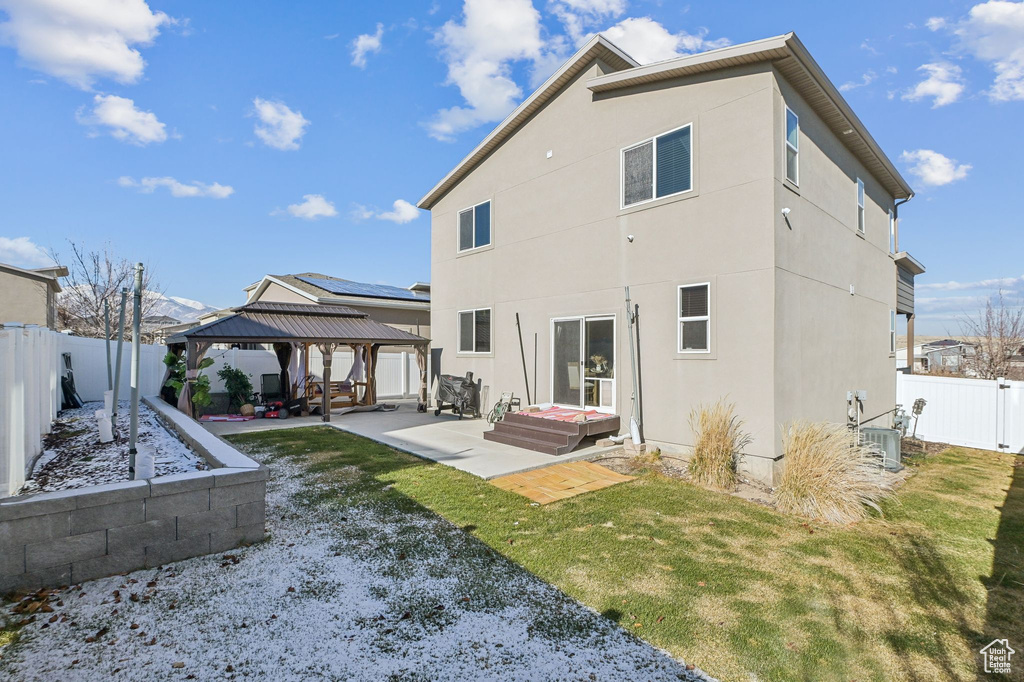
220,141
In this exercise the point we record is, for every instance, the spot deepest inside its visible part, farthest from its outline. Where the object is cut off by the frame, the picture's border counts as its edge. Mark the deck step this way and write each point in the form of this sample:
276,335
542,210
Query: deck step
528,443
545,435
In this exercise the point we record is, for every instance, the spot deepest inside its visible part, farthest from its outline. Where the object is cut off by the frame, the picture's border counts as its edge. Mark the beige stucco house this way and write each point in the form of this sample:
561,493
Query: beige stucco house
30,296
739,197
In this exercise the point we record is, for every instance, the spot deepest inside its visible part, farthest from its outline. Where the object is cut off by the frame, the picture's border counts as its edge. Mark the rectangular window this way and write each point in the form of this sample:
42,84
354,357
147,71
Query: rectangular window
475,226
892,231
658,167
792,147
694,318
475,331
860,205
892,331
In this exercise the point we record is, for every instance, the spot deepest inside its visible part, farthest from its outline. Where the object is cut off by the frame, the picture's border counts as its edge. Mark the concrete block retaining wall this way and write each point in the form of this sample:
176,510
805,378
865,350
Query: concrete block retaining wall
65,537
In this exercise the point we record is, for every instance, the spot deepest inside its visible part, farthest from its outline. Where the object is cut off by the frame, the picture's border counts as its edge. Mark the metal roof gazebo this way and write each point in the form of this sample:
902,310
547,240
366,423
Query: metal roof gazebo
297,326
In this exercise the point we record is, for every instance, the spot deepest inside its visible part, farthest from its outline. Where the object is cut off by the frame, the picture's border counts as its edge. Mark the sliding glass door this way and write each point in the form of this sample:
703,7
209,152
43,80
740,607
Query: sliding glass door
583,362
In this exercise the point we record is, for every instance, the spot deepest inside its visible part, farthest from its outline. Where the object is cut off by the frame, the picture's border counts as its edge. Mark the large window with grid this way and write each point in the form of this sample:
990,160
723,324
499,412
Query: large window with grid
694,335
658,167
475,331
475,226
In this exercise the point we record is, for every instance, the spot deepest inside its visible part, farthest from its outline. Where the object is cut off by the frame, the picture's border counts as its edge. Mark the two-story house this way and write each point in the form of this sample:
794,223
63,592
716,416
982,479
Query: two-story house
739,197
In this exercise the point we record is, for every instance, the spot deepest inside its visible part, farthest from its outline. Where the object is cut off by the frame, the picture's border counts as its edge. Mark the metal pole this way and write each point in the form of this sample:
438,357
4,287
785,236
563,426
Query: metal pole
133,433
522,354
117,366
106,342
535,366
634,416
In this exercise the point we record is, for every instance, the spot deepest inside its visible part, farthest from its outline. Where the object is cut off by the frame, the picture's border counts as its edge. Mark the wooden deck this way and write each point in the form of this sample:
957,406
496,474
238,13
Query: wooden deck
560,481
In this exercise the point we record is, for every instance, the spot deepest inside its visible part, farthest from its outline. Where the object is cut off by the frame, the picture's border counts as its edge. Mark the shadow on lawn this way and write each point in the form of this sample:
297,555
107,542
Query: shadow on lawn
1004,610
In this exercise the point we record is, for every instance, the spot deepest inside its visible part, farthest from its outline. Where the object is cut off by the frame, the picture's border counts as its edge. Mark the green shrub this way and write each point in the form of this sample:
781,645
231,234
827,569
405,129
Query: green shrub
828,474
238,385
718,441
200,387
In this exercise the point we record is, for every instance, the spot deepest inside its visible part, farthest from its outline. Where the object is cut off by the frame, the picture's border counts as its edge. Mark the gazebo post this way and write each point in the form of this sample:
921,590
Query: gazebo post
327,350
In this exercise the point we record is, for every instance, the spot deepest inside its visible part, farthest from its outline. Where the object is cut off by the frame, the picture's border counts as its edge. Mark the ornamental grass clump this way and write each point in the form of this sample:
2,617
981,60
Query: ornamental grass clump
718,441
829,475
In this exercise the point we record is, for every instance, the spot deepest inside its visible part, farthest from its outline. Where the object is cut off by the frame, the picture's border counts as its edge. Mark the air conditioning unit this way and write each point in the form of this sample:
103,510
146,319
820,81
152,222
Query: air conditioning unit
887,441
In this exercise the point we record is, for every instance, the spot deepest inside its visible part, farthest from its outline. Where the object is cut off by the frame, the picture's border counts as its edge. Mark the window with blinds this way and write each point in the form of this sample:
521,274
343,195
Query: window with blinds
475,331
475,226
694,318
658,167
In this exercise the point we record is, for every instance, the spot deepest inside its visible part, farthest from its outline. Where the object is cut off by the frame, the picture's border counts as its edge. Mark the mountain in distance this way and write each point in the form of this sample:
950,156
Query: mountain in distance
181,309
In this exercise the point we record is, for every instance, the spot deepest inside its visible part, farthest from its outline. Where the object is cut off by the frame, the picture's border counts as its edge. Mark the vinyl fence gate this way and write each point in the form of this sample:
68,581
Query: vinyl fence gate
975,413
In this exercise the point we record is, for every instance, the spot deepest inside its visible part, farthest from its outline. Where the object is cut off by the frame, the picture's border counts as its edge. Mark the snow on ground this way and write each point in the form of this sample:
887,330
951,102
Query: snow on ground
74,457
344,589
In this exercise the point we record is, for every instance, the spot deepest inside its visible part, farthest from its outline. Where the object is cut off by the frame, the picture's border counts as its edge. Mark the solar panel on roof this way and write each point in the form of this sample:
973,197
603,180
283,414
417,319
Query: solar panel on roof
343,288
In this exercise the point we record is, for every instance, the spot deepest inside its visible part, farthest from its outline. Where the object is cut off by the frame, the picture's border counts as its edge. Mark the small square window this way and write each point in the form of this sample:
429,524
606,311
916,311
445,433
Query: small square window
475,226
694,333
475,331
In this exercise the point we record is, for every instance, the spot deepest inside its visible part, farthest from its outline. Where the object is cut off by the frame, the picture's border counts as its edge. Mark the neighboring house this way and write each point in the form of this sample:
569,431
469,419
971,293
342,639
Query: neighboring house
30,296
406,309
946,356
738,196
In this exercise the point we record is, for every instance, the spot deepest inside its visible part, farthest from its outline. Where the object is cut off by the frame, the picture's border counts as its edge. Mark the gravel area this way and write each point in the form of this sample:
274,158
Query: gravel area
343,589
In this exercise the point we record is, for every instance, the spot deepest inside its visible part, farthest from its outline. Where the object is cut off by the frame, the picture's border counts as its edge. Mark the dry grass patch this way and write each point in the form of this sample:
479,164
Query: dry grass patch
828,476
718,441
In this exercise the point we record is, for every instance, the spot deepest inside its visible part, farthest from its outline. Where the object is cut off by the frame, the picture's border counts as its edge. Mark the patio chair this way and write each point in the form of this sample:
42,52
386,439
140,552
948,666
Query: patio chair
270,388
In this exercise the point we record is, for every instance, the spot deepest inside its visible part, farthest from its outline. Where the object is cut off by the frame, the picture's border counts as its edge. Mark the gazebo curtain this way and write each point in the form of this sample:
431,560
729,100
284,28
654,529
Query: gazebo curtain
421,363
284,357
193,356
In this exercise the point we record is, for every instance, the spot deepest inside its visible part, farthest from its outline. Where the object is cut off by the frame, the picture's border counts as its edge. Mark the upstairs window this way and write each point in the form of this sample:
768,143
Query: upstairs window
860,205
475,331
892,231
892,331
658,167
792,147
475,226
694,319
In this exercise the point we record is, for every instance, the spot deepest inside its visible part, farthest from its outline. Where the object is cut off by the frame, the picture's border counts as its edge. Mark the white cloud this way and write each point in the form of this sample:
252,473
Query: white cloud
479,53
401,212
178,189
994,32
578,16
22,252
80,41
647,41
867,79
281,127
124,120
944,84
365,44
314,206
935,23
934,169
994,283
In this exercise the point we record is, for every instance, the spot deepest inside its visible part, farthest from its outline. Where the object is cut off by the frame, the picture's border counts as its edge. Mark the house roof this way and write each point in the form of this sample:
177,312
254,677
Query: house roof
598,46
795,63
908,262
264,322
327,289
48,275
786,52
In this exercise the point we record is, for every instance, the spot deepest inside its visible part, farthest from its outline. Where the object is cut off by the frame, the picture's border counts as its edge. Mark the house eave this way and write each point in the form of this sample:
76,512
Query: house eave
792,59
598,46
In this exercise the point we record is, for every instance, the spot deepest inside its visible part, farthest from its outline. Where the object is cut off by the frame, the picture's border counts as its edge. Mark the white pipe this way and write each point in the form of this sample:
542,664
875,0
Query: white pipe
136,363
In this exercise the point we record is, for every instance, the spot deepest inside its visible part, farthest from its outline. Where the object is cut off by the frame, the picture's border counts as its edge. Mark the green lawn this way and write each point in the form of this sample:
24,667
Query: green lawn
734,587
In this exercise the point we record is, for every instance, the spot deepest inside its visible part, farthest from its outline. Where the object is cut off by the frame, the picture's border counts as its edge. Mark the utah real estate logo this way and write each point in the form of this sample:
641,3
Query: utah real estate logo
997,656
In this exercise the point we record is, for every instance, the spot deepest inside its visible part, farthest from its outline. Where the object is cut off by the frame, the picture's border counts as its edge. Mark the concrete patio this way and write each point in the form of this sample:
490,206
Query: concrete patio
443,439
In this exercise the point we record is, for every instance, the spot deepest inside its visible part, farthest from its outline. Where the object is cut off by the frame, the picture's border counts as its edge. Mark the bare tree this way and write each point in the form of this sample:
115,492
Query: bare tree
998,331
95,277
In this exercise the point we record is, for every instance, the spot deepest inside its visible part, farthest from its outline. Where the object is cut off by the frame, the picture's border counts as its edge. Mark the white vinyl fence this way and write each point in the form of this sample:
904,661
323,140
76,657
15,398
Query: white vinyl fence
975,413
29,399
